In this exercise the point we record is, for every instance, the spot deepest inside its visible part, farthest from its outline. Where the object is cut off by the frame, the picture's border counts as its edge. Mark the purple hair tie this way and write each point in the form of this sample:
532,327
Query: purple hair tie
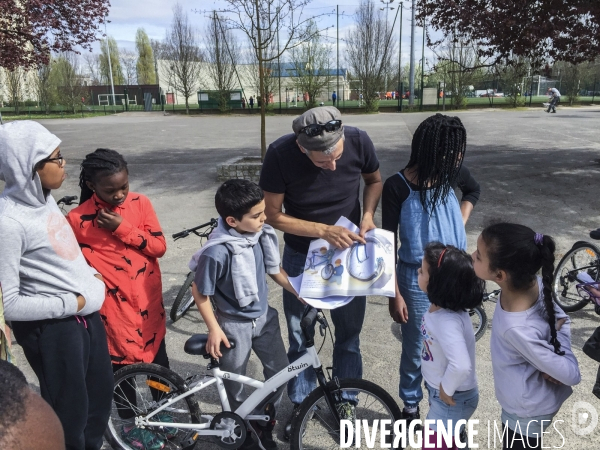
538,239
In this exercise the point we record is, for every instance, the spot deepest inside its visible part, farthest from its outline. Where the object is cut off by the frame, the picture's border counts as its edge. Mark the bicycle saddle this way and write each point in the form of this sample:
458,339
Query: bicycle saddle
196,345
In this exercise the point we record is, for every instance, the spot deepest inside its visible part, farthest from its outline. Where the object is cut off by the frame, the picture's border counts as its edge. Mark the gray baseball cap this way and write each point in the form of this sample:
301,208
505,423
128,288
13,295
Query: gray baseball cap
320,115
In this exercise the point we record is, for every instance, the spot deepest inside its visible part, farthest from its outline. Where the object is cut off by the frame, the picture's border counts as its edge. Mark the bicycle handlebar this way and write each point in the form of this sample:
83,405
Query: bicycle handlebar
185,233
309,318
67,200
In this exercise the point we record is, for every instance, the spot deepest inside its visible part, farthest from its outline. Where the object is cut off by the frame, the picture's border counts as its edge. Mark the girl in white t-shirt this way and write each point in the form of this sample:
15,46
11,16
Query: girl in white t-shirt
448,356
534,367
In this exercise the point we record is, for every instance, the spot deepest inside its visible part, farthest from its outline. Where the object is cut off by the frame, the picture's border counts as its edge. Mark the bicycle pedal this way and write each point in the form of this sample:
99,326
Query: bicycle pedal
189,439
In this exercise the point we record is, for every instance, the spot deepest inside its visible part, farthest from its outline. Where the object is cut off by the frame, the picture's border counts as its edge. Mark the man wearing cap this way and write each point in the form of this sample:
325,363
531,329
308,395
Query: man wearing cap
314,173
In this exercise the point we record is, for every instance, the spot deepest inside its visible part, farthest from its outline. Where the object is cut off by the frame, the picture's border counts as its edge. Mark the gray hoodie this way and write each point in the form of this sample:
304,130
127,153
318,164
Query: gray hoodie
41,266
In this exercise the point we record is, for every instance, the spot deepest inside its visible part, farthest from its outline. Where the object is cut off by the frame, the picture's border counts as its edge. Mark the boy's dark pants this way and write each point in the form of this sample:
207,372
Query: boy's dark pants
70,358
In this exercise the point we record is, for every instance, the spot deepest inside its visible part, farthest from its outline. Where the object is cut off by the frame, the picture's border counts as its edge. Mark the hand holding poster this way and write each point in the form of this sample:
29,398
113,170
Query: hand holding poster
334,276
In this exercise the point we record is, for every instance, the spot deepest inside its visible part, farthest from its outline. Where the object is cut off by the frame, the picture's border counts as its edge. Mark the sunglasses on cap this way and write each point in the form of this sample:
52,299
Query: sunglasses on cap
317,129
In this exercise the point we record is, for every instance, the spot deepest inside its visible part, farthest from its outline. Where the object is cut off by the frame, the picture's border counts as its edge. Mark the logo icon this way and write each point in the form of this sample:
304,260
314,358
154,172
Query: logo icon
584,418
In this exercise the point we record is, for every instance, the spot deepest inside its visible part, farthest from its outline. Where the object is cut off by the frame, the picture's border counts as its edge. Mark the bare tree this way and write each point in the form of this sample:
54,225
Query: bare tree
261,21
15,86
511,75
251,72
571,76
44,88
158,48
92,65
182,55
69,81
129,64
222,56
310,66
460,65
370,51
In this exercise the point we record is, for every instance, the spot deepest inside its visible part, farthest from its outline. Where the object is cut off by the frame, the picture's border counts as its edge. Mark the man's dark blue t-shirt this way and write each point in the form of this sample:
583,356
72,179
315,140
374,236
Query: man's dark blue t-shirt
315,194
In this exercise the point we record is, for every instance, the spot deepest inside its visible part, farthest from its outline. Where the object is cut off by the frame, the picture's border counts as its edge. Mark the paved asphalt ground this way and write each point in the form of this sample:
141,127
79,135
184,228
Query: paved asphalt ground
539,169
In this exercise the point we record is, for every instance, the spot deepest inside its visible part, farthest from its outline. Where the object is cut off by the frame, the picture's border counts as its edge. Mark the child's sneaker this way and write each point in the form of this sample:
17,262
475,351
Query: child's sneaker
141,438
265,434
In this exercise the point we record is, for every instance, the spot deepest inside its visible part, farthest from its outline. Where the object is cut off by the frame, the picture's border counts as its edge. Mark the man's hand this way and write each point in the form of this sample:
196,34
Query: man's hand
108,219
398,309
367,224
447,399
213,345
341,237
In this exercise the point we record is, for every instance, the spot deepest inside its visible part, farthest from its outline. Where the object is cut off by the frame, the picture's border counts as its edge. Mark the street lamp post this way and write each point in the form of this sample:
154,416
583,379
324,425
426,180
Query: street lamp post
411,80
387,6
112,85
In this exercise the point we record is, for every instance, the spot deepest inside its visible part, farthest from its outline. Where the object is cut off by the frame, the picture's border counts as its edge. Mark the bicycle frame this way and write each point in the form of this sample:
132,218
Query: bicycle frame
324,259
263,390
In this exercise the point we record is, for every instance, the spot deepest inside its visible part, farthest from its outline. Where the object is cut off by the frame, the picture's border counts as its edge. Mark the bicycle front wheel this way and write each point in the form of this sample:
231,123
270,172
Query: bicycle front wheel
184,299
315,426
139,390
583,257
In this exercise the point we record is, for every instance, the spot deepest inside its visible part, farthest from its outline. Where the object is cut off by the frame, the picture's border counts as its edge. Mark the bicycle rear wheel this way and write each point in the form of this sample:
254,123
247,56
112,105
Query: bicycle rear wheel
583,257
479,320
184,299
315,426
139,390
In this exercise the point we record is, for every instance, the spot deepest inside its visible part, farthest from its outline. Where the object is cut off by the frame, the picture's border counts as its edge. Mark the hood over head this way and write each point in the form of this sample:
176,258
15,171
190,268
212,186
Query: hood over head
22,145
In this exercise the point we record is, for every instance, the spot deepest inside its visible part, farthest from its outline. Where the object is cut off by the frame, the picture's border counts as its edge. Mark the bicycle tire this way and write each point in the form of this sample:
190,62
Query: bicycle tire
140,376
315,411
184,300
480,323
564,291
327,272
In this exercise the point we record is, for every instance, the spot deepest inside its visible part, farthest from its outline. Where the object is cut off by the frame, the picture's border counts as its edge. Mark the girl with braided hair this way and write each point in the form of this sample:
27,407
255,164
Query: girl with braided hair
419,202
120,236
531,336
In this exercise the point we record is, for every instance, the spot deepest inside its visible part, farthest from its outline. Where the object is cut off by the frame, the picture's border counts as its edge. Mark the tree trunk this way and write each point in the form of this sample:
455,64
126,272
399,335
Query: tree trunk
261,81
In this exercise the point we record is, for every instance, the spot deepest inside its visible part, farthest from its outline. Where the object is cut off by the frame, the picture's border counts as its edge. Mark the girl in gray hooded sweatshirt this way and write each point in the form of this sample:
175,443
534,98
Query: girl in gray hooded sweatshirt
51,295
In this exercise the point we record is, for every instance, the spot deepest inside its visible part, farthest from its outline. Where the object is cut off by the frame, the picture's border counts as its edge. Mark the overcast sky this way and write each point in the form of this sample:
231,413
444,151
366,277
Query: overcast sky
126,16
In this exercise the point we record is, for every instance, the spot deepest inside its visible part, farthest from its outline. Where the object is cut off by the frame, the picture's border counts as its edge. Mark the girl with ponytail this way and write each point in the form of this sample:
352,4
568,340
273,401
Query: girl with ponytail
534,367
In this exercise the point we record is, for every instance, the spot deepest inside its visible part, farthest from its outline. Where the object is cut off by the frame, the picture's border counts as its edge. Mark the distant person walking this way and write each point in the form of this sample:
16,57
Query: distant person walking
243,103
251,102
333,97
554,95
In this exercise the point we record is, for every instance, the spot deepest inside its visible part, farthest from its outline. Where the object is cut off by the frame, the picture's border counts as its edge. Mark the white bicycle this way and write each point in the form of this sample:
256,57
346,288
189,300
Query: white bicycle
181,412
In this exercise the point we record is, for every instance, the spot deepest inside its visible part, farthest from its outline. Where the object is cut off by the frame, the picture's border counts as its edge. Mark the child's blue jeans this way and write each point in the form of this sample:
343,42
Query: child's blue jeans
466,404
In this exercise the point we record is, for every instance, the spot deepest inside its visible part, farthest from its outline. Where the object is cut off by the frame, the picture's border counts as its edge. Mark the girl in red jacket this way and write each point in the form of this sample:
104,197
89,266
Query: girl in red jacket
120,236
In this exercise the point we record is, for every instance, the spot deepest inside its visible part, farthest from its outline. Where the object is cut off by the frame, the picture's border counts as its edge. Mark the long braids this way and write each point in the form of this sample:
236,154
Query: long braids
438,149
101,162
521,252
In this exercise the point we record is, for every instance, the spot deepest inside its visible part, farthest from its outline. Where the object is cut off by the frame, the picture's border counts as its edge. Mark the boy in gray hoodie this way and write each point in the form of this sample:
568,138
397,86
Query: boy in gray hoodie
51,295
